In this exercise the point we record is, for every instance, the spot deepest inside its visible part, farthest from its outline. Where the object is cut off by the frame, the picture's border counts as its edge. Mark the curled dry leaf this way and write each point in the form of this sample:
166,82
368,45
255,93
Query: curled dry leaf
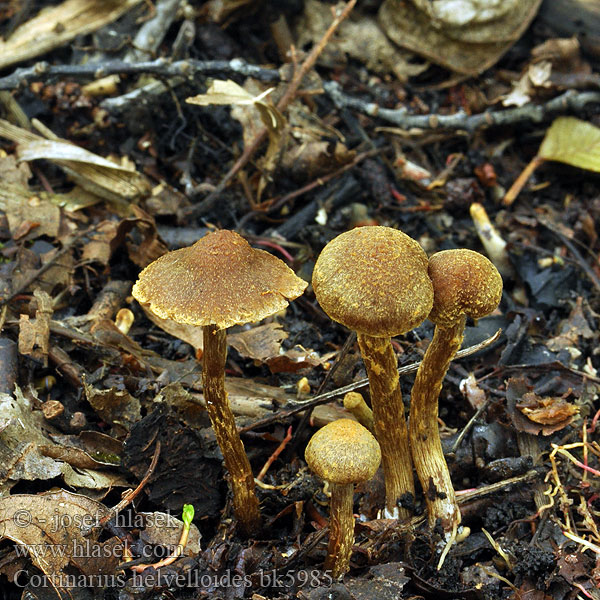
467,40
361,39
56,25
546,411
98,175
117,407
54,529
533,414
34,336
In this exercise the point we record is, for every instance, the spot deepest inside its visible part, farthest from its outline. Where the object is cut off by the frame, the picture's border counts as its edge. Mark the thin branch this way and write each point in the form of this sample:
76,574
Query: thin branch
160,67
536,113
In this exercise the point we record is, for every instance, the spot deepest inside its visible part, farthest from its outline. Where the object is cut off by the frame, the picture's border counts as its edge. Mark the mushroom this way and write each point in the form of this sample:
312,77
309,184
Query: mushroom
342,453
465,283
218,282
355,403
374,280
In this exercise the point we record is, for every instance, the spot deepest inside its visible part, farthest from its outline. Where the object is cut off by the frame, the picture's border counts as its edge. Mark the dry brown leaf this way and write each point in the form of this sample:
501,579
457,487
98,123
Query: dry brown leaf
258,343
295,359
360,38
57,25
468,40
532,414
34,336
546,411
21,206
54,528
117,407
569,331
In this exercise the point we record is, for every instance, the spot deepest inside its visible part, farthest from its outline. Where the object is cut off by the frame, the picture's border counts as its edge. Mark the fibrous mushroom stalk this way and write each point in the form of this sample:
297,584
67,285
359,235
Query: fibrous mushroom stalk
426,446
389,421
245,502
341,529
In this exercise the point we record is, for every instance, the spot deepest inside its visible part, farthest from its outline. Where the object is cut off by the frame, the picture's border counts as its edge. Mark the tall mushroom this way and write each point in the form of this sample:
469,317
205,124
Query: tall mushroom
465,284
374,280
218,282
342,453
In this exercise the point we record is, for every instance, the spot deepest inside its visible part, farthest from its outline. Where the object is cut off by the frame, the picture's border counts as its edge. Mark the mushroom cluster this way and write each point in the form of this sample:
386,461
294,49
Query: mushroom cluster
379,282
374,281
218,282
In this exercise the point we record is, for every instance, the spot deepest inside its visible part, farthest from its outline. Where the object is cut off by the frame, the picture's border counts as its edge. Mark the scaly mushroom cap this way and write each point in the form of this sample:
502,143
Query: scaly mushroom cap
374,281
343,452
464,283
220,280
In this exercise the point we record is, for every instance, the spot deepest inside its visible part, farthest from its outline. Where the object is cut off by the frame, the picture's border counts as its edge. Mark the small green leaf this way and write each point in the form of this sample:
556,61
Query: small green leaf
574,142
187,515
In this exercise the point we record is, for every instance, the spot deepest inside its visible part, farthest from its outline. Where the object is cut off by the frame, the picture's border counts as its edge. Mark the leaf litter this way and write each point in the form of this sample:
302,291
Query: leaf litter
106,402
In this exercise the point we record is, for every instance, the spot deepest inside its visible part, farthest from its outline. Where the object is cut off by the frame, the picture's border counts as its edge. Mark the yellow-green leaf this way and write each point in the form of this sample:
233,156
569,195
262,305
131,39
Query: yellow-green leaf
574,142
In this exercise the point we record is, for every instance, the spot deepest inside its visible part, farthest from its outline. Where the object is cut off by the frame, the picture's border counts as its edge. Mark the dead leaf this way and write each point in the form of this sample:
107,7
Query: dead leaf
54,279
57,25
137,233
13,172
474,394
34,336
546,411
468,40
20,435
117,407
574,142
53,529
295,359
258,343
533,414
538,75
360,38
92,172
569,331
189,334
20,206
312,159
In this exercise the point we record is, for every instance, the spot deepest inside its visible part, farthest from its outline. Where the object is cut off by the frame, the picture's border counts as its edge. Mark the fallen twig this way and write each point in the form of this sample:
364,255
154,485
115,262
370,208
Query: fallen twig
160,67
569,101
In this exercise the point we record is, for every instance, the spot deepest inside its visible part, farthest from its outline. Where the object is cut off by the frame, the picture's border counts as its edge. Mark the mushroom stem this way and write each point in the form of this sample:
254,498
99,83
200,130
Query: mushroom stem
389,422
341,528
425,443
245,502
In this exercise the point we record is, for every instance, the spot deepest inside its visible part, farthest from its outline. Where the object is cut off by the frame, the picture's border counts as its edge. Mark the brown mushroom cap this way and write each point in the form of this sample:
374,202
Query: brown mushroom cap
374,281
464,283
220,280
343,452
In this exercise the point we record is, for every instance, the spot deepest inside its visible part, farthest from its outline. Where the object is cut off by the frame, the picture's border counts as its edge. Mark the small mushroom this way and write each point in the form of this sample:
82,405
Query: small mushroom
343,453
465,283
374,280
218,282
355,403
